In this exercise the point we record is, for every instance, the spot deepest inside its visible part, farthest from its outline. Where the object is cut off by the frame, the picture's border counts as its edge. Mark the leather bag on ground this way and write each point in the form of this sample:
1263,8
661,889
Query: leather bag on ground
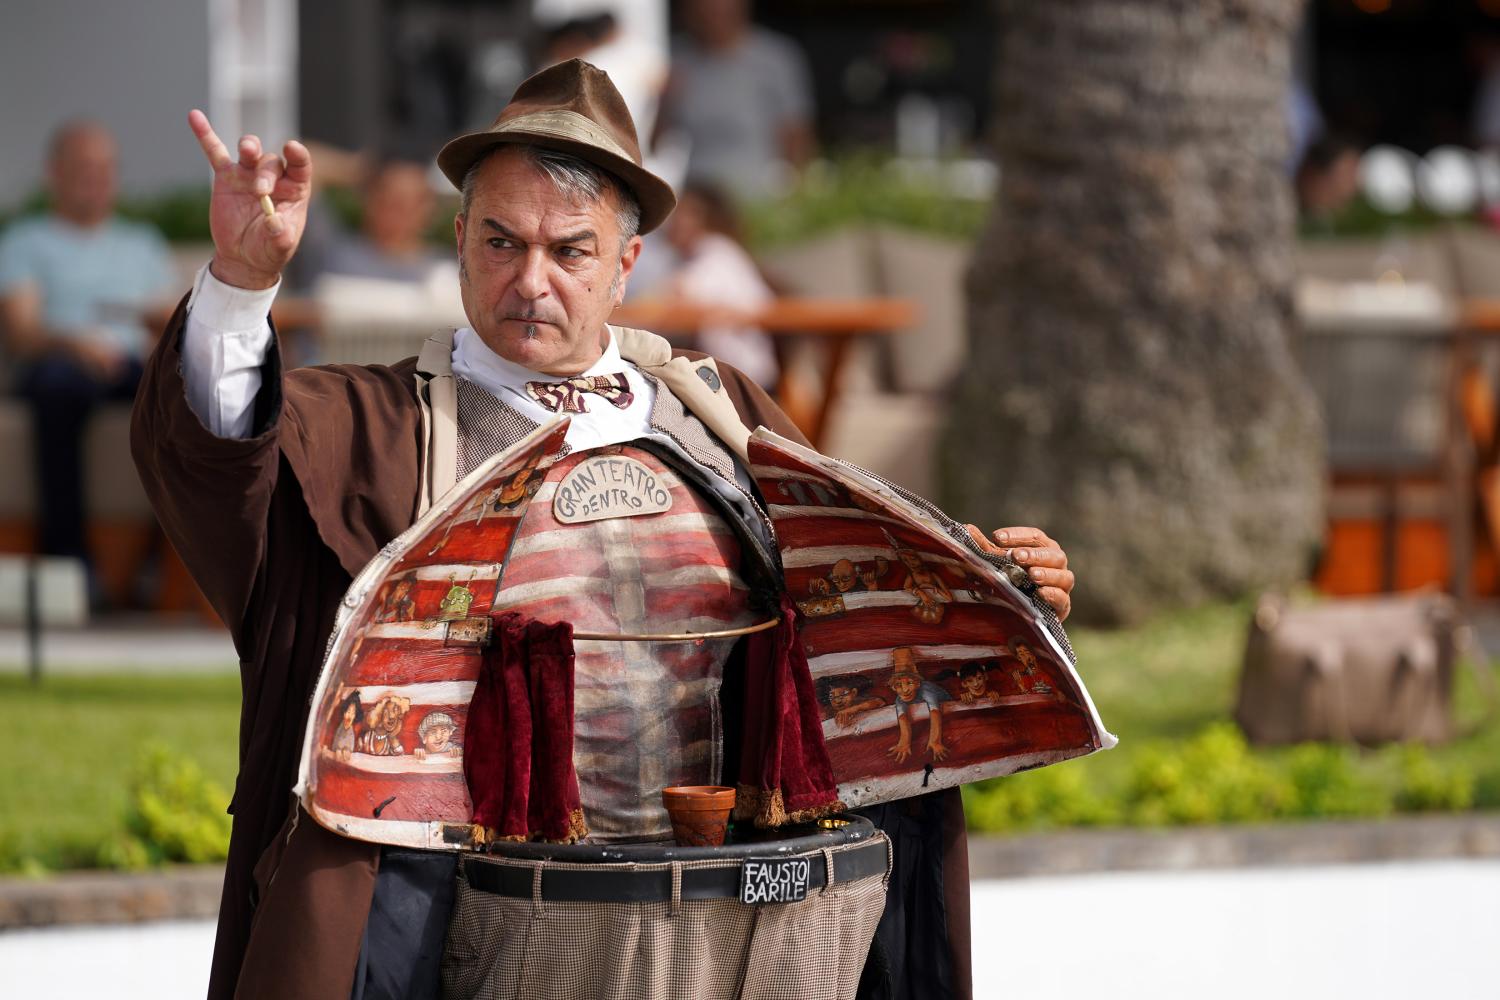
1370,670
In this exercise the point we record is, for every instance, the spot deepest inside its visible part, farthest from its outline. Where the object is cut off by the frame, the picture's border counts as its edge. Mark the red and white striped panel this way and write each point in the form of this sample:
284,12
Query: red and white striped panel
394,648
871,579
646,714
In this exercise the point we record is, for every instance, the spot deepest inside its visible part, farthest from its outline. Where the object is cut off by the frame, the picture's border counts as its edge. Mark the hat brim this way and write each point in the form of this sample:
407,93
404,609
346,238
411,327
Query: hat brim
654,195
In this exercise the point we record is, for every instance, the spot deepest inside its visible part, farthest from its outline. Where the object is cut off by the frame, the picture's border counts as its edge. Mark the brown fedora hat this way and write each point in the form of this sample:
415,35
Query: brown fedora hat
572,107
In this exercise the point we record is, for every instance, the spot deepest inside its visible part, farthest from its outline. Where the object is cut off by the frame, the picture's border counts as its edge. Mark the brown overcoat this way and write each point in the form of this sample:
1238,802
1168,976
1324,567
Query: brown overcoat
273,528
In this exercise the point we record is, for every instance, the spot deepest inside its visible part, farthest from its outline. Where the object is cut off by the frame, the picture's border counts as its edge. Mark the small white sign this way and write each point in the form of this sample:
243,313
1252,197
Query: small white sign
774,880
610,486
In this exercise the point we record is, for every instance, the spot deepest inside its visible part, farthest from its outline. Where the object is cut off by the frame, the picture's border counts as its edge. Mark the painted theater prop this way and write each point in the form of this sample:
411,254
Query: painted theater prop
932,666
383,756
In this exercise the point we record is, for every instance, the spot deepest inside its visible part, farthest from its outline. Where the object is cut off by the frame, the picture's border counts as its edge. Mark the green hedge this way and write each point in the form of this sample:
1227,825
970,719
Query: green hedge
862,190
1216,777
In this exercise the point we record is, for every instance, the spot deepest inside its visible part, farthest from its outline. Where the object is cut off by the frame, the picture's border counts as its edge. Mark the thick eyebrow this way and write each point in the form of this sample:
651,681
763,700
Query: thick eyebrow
579,237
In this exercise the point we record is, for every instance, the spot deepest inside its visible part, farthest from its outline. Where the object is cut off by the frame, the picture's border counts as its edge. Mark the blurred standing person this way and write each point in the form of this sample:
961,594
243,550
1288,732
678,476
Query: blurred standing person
715,270
73,285
741,96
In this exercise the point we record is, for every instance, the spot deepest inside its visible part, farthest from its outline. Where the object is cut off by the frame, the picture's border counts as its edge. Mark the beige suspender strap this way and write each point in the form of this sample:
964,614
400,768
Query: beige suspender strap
437,395
697,383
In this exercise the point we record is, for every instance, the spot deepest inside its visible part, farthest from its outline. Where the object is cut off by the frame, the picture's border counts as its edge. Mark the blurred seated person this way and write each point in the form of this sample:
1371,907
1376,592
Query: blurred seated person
1327,179
714,269
392,243
74,284
740,96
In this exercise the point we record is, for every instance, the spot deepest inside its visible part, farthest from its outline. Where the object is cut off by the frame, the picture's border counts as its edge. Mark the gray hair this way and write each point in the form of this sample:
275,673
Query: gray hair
576,179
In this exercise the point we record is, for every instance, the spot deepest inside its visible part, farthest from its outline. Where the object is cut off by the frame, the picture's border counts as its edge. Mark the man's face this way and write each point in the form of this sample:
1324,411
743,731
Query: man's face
540,275
81,175
905,685
436,738
842,576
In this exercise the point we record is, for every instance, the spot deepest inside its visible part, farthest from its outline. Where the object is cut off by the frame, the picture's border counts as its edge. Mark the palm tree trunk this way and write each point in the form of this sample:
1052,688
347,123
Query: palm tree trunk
1132,389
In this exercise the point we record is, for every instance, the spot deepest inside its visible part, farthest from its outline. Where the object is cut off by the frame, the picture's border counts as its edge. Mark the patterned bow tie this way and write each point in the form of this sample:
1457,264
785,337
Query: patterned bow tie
567,396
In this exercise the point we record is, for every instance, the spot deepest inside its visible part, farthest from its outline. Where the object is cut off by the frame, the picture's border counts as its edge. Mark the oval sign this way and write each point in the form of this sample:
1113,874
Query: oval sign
610,486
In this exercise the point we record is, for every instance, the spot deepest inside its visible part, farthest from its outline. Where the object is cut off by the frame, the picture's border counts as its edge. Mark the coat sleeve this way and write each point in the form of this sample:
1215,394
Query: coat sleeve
211,494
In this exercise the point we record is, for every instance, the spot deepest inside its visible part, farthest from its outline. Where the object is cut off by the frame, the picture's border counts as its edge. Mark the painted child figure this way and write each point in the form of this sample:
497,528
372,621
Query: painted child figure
436,732
910,687
923,583
973,679
847,697
347,712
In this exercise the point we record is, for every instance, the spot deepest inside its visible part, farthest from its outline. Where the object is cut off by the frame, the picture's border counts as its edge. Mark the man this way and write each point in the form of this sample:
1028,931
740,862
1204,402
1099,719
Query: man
278,487
72,286
741,97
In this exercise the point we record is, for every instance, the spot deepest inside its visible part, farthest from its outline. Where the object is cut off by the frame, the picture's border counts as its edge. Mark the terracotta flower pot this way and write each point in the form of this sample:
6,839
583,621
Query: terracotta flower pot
699,813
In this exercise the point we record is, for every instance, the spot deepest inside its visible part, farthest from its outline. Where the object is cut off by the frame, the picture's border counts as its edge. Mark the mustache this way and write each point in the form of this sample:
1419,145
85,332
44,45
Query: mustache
529,316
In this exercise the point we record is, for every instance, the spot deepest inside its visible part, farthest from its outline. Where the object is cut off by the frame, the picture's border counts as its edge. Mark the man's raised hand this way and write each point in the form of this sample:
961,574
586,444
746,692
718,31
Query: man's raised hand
251,248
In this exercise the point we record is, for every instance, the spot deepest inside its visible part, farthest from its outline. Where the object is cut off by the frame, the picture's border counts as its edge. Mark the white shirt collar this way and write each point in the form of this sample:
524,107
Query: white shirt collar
602,424
489,369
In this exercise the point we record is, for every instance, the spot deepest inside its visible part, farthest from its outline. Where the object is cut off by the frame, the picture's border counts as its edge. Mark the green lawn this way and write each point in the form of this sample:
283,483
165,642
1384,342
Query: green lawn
79,741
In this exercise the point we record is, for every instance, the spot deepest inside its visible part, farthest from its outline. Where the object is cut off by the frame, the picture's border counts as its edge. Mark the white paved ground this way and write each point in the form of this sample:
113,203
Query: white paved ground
1372,932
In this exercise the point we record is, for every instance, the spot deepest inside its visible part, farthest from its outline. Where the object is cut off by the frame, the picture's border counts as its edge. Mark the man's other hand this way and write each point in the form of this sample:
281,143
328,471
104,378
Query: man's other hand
250,249
1044,560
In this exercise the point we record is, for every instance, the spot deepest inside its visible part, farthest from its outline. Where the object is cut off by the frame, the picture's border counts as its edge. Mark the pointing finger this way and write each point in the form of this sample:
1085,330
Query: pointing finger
218,155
